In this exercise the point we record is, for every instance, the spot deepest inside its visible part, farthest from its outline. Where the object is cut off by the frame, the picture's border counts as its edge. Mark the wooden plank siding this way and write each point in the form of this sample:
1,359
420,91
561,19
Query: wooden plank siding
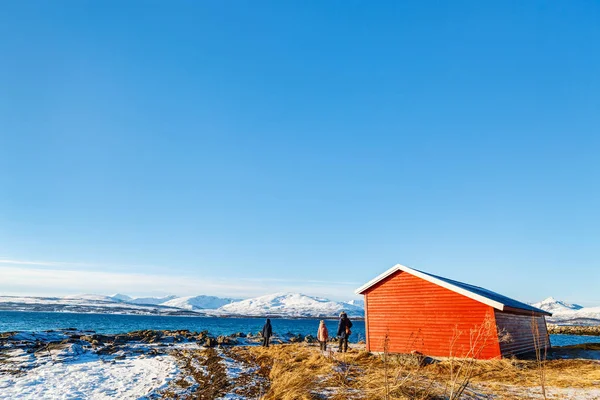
417,315
521,331
367,322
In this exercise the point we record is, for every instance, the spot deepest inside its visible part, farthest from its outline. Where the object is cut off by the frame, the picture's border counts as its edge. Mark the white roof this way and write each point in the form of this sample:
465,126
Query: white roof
482,295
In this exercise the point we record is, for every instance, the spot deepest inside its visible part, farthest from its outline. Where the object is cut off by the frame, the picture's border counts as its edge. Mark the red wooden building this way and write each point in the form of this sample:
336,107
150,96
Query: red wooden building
409,310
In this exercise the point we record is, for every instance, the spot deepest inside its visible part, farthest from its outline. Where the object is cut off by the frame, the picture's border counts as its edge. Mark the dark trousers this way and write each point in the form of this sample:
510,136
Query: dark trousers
266,341
343,344
323,344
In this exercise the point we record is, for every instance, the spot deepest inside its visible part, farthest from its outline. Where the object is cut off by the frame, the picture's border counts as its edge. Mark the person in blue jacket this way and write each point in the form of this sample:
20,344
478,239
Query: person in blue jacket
344,332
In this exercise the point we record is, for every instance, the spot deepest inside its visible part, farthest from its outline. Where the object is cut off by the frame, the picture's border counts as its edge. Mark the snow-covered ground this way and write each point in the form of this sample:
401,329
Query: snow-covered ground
57,365
87,376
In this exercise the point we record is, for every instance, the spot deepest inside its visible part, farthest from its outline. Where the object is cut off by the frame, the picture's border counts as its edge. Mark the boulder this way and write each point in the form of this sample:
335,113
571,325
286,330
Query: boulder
296,339
310,339
120,339
226,341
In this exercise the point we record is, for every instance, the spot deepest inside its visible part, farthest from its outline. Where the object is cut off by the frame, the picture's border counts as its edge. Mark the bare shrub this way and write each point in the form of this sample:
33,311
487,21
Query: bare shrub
464,368
540,355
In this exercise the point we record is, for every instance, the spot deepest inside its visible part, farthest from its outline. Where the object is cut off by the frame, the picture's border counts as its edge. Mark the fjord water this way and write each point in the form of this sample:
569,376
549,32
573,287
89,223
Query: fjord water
116,323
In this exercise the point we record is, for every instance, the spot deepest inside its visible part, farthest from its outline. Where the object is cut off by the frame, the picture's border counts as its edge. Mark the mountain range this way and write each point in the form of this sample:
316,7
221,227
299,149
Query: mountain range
569,314
294,305
279,304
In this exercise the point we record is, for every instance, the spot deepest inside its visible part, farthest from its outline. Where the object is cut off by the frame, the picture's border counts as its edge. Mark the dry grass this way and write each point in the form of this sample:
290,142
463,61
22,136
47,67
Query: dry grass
293,370
299,371
559,373
302,372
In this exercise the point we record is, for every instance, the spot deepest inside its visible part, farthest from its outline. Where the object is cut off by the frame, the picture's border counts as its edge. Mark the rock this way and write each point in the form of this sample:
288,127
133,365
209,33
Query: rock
239,335
108,349
593,330
310,339
226,341
296,339
120,357
210,342
120,339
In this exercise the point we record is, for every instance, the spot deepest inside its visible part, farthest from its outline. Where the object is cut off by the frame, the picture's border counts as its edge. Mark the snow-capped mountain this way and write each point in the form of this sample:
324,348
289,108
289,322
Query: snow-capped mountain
279,304
86,304
198,302
569,314
357,303
552,305
90,297
291,304
120,297
151,300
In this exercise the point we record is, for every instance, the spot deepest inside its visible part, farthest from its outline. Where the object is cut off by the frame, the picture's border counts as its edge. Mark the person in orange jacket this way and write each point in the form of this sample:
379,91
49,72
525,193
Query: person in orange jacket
323,335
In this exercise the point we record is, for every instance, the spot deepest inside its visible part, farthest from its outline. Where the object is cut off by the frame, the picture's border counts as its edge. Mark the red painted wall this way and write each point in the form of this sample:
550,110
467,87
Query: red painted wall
419,315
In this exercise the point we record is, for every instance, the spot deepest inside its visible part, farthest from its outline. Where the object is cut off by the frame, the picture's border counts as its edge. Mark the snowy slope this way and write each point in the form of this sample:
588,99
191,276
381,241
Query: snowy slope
291,304
198,302
90,297
151,300
552,305
120,297
569,314
85,304
357,303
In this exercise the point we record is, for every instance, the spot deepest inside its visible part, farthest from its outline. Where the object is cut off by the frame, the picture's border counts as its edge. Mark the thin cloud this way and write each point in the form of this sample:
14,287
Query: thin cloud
55,282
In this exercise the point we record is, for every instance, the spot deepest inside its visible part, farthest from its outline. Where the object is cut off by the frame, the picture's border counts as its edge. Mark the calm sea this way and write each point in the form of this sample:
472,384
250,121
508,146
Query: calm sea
108,323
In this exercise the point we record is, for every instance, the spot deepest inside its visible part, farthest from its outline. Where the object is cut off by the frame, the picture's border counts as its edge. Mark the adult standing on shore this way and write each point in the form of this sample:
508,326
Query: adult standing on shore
267,332
323,335
344,331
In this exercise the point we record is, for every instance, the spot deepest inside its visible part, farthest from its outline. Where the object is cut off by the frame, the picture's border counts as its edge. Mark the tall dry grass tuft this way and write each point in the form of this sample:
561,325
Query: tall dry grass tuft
386,355
540,355
462,370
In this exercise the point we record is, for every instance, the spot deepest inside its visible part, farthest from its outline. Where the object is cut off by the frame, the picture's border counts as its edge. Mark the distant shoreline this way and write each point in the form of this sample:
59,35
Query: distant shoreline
188,315
586,330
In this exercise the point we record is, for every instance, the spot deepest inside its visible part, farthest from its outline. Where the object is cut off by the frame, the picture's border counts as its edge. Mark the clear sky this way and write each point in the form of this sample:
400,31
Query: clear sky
246,147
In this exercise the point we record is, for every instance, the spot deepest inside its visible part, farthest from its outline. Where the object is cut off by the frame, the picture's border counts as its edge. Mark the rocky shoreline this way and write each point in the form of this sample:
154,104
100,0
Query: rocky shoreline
29,348
573,330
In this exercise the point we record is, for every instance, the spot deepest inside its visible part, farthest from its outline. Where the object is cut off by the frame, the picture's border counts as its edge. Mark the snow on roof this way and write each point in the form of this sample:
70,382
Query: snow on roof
480,294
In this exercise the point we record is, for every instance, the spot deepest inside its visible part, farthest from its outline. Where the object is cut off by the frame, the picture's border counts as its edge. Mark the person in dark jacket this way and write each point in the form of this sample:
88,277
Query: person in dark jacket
267,332
343,332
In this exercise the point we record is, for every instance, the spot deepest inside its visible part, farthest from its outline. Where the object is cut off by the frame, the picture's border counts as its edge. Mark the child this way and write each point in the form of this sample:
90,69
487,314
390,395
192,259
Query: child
323,335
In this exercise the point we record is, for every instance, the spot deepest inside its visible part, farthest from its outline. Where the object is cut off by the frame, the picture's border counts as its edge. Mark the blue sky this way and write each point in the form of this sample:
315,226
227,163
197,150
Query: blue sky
241,148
